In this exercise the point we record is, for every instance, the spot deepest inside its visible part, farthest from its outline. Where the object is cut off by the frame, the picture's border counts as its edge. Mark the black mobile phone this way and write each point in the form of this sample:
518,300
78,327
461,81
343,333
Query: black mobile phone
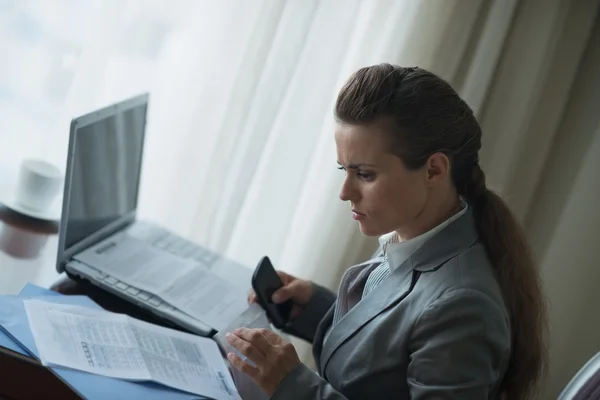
265,282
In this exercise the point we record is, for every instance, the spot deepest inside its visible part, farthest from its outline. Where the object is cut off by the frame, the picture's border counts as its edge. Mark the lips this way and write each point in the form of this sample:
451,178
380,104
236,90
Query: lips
357,215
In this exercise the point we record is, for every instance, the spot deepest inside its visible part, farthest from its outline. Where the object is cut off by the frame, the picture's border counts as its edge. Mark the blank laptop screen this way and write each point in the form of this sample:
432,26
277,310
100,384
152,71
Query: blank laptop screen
105,172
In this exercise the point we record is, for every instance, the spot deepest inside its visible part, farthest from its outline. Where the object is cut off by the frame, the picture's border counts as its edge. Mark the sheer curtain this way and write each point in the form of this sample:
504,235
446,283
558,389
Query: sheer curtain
240,154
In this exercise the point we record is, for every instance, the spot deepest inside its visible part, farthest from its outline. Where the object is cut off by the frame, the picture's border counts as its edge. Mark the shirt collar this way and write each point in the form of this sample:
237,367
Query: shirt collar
398,252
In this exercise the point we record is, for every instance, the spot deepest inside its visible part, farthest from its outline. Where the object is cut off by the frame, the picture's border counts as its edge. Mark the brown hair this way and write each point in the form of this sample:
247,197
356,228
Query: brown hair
424,115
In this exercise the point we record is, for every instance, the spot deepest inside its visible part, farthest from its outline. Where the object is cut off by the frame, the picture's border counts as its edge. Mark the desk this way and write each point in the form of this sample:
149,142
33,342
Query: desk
28,249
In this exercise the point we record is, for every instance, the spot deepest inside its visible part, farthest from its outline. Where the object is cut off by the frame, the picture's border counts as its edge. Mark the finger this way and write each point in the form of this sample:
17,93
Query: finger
243,366
281,295
287,292
286,278
251,296
257,338
246,348
282,348
272,337
275,341
243,357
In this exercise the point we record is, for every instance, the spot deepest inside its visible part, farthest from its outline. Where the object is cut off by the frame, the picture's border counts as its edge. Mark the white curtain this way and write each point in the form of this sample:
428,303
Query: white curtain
240,154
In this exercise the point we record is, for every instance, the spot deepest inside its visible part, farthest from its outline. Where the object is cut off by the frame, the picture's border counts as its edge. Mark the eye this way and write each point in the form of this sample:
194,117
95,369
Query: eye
360,174
365,176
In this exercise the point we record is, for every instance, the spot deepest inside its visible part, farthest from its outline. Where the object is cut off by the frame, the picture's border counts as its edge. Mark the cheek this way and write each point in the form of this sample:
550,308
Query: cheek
403,199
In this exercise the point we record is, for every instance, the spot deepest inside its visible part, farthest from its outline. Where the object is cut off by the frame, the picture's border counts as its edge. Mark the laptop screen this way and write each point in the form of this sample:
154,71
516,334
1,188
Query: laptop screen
106,164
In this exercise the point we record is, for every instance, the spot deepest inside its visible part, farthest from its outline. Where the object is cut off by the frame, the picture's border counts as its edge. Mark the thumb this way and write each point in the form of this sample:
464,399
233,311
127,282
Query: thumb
294,290
282,294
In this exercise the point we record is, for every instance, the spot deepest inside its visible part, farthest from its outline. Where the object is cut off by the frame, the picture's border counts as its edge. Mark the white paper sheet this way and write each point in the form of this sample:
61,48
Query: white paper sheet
253,317
115,345
177,281
136,263
207,297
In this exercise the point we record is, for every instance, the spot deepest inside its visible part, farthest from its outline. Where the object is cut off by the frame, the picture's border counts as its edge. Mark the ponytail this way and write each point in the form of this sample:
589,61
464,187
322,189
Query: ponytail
518,277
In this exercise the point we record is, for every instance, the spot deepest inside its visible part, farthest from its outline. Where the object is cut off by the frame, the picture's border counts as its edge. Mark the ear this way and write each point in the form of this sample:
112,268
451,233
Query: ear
437,168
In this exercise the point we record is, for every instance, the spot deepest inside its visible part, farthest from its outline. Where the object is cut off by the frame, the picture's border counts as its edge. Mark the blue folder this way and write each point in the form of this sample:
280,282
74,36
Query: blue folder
31,290
6,340
13,320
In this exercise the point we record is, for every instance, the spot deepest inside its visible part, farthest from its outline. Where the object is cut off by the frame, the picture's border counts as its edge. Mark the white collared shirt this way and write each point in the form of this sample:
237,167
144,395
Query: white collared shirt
395,253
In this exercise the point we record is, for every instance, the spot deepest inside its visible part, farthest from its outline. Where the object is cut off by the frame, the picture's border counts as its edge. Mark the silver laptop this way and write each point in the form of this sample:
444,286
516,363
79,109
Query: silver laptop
100,201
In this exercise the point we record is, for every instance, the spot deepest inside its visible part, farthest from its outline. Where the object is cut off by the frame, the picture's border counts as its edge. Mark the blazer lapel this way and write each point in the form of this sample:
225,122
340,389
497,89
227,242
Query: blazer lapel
451,241
318,343
353,274
389,292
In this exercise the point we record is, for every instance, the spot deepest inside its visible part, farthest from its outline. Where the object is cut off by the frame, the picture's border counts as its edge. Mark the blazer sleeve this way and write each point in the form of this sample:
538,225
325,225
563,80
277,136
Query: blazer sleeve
459,347
304,384
305,325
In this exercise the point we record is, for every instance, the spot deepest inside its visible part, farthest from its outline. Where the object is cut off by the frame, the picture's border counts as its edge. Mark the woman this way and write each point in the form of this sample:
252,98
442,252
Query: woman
452,307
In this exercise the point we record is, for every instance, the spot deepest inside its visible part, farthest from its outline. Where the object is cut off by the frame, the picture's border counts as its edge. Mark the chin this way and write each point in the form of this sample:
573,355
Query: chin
370,231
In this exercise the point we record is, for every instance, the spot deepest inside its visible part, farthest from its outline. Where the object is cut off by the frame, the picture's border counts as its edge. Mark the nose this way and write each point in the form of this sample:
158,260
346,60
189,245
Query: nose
347,192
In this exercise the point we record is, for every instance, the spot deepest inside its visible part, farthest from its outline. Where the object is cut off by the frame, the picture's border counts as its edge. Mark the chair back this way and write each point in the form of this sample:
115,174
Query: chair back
586,383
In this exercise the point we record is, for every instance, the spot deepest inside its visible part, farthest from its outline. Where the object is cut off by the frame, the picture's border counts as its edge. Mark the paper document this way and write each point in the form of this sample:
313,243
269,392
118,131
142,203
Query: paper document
253,317
118,346
180,282
136,263
207,297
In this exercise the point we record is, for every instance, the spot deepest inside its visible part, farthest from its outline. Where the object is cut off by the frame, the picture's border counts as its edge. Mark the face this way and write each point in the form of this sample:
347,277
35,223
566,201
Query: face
384,195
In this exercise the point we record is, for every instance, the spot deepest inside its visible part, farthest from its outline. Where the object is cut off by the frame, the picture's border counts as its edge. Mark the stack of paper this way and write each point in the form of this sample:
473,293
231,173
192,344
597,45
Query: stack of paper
16,335
119,346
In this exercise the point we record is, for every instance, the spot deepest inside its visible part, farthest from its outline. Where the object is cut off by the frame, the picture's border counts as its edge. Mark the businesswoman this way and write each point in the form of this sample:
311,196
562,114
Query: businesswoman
452,306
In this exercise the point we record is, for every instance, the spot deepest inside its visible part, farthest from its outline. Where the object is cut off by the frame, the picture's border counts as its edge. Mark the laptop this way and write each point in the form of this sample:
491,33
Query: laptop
100,200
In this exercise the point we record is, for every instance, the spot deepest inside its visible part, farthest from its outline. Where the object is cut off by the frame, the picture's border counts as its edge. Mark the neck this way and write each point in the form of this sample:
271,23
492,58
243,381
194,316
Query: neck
431,216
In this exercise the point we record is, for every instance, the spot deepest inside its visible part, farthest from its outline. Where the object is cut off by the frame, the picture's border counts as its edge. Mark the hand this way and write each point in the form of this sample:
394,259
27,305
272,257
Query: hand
298,290
274,357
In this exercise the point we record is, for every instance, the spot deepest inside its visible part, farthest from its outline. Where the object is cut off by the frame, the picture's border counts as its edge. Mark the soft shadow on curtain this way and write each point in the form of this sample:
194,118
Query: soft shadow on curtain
240,154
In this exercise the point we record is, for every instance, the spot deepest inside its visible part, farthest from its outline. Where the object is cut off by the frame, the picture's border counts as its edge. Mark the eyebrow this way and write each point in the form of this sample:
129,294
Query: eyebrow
357,165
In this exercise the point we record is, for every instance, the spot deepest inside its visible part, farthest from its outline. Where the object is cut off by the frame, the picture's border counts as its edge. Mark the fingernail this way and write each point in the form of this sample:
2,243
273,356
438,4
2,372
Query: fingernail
276,298
229,356
228,336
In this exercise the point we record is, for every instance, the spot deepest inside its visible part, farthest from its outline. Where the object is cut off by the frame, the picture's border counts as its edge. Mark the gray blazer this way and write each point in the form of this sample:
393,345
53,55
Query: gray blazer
436,328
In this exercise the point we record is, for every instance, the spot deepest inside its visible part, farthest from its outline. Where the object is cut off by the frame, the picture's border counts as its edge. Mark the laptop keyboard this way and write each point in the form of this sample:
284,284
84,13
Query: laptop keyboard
176,245
145,297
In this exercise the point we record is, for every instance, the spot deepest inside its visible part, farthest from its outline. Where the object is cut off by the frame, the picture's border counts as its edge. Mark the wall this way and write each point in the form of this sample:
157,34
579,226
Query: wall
564,226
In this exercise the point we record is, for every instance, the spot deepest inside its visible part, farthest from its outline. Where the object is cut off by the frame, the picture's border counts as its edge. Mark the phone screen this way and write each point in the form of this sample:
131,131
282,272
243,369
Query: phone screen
265,282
